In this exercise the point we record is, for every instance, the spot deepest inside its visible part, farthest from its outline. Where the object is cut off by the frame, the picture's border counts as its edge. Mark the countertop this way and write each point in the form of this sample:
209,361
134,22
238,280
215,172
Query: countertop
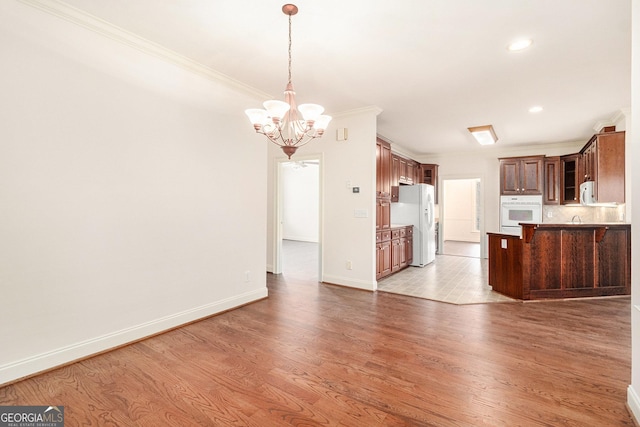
576,225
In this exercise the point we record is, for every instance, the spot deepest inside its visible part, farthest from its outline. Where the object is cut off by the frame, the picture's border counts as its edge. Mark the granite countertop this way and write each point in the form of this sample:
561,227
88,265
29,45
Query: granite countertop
577,225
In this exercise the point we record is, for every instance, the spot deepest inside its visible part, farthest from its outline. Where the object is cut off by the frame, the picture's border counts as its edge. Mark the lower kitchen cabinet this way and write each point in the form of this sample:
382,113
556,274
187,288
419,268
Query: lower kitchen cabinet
562,261
394,250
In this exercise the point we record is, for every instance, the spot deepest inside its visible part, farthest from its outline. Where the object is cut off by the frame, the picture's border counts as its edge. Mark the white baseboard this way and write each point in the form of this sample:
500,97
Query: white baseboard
345,281
60,356
633,403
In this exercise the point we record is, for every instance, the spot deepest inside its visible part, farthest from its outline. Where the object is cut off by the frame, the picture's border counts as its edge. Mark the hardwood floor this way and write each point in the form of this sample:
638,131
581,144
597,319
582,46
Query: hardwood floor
314,354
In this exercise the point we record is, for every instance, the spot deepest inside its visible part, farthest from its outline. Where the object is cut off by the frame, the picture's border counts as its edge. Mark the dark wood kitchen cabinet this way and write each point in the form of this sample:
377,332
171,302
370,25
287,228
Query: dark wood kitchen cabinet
570,179
521,175
394,250
383,169
551,195
428,174
383,214
383,254
603,162
562,261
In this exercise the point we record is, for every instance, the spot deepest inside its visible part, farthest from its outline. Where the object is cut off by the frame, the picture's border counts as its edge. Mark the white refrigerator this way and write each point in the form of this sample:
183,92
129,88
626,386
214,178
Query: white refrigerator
416,207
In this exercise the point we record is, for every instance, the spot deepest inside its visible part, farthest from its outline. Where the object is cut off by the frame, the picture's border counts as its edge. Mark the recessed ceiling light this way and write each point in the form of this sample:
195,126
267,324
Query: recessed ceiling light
520,45
535,109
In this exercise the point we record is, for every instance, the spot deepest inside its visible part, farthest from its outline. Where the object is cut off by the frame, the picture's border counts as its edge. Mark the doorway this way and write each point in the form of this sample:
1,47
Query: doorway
298,225
461,222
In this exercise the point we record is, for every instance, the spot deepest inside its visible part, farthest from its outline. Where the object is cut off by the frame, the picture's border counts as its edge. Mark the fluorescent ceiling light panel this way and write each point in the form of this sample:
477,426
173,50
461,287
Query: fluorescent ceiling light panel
485,135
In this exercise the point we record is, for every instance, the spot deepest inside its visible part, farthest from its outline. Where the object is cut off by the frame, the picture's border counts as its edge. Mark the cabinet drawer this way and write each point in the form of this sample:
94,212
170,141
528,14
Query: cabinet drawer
409,231
403,232
395,233
385,235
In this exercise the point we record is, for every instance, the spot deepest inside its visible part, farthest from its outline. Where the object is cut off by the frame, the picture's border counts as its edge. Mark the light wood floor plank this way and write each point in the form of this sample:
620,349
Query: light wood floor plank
314,354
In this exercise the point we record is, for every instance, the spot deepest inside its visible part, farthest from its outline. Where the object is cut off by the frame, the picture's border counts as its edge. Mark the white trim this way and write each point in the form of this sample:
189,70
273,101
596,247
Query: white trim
60,356
349,282
633,403
120,35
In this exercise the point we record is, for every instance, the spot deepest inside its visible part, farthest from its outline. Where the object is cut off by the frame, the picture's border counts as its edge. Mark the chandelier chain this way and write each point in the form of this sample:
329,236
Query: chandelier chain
289,48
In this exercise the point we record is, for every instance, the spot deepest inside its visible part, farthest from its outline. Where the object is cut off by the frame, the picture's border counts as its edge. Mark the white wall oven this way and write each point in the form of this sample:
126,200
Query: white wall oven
517,209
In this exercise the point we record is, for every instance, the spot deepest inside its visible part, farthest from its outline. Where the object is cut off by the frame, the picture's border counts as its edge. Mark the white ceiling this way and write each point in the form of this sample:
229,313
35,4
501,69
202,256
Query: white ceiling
434,67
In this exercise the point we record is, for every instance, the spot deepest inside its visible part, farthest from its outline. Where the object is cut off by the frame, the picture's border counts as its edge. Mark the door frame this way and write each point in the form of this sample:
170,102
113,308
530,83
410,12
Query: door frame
441,205
279,208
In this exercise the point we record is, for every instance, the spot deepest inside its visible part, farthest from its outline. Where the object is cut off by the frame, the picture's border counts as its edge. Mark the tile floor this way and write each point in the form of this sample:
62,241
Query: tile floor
451,279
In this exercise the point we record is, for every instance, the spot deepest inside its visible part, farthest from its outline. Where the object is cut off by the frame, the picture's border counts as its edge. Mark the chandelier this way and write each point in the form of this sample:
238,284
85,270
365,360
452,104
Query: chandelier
281,121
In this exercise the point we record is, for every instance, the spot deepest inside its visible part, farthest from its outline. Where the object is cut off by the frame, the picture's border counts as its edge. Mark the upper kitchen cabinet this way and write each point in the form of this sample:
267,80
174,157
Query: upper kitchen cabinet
521,175
428,174
603,163
570,179
551,194
403,172
383,169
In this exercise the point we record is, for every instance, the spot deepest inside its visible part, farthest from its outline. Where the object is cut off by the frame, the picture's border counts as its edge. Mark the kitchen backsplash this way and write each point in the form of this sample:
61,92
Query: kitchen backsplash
588,214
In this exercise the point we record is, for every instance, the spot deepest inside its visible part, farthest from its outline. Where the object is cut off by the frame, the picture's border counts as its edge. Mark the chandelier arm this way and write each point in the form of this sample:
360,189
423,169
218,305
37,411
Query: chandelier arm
289,128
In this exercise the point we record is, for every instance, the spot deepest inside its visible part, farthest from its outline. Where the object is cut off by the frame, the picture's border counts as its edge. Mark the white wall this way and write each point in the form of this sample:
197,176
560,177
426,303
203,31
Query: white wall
300,194
117,219
459,210
633,395
343,236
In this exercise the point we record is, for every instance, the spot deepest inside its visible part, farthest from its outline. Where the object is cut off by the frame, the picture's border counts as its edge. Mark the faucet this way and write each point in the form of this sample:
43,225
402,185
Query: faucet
573,220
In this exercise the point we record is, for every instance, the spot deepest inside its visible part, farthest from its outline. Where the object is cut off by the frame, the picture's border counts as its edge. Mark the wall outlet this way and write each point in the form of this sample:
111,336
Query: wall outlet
247,276
349,265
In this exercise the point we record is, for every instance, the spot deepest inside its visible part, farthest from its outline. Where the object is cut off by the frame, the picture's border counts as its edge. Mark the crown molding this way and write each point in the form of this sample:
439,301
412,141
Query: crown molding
99,26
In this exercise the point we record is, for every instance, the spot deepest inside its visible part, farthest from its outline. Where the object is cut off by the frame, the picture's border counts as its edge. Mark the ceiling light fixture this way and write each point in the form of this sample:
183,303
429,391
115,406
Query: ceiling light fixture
520,45
485,135
280,121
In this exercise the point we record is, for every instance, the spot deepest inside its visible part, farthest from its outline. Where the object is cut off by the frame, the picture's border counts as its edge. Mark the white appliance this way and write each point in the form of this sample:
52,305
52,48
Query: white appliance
416,207
587,196
517,209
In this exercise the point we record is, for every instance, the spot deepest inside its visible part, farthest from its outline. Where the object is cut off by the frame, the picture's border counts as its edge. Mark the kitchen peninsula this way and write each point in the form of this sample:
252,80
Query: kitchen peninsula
562,261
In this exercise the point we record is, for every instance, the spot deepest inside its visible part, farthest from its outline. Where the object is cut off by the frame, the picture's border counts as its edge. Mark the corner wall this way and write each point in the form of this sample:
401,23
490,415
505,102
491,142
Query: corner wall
343,236
117,219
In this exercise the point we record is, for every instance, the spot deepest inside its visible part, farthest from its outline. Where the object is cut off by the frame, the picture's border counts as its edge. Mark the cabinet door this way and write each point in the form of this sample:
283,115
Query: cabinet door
383,169
551,194
411,172
395,170
609,167
531,175
386,171
396,252
409,249
383,215
510,177
378,169
403,252
385,258
428,174
521,176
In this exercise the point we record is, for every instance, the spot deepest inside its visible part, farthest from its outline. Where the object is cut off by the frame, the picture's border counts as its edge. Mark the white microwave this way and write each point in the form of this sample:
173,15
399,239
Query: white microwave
519,209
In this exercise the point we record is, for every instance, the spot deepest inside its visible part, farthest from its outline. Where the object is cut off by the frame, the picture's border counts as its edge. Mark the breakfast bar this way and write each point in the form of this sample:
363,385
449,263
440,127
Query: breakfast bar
562,261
